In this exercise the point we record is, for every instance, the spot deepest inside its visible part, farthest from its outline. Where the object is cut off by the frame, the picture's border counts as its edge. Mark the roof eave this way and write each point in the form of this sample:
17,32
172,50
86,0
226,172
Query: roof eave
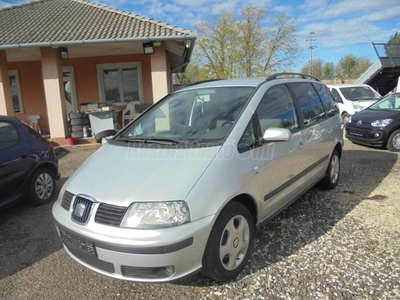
184,37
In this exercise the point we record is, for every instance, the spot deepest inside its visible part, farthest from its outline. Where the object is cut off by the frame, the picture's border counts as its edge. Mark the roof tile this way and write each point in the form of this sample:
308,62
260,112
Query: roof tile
76,20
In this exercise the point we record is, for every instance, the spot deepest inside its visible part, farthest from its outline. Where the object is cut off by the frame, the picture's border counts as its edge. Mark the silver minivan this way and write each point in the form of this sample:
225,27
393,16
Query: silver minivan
183,187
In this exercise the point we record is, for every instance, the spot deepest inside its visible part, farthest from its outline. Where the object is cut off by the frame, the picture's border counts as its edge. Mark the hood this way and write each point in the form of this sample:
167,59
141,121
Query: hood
365,103
370,115
119,174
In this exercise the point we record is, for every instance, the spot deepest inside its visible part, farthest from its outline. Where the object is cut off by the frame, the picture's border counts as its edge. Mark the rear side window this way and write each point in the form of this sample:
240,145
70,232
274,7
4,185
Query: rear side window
310,105
8,135
276,109
329,103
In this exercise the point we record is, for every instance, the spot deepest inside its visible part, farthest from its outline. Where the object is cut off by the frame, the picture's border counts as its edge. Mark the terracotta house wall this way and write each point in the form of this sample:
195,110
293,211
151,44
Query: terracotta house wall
85,72
32,91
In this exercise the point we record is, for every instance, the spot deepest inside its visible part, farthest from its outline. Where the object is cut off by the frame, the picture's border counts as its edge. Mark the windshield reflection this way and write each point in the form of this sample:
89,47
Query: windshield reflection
196,116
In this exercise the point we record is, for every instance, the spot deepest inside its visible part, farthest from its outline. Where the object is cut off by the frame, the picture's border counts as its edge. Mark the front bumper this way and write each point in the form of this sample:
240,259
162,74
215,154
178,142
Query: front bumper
131,254
374,137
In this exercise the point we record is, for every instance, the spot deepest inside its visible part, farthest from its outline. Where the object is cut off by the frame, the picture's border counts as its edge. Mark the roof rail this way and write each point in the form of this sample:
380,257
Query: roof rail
289,75
203,81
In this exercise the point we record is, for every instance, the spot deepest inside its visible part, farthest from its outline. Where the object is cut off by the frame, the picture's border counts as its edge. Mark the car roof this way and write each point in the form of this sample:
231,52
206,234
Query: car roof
248,82
8,118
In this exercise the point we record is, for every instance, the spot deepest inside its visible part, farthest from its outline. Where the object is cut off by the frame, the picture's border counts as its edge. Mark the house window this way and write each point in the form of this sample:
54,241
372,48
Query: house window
120,82
16,91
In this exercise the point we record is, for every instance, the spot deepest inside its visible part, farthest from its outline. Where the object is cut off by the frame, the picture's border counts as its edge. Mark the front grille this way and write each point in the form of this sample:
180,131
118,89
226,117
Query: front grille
110,215
81,210
66,200
91,260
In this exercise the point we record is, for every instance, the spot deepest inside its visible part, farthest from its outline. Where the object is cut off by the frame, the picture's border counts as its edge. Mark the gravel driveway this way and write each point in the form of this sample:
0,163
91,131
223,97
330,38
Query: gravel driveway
340,244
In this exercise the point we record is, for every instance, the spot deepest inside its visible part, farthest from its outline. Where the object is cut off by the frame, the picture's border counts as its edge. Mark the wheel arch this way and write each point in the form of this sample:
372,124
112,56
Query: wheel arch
47,165
339,149
250,204
393,130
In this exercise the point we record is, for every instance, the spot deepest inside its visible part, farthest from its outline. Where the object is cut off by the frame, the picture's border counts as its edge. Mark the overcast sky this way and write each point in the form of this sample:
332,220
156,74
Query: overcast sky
341,26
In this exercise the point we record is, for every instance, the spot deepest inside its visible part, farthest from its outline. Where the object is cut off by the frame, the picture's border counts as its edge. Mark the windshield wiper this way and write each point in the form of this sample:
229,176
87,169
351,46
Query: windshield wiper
132,139
150,140
165,141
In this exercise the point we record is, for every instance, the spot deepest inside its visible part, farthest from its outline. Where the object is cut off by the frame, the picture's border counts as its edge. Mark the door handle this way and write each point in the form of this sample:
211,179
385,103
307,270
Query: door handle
301,145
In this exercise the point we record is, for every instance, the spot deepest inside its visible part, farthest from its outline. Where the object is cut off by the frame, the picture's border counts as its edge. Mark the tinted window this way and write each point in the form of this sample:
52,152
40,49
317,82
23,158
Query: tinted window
336,96
8,135
329,103
276,109
310,104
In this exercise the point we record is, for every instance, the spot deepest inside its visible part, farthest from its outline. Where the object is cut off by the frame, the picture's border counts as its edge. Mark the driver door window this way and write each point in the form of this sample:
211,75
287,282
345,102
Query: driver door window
276,110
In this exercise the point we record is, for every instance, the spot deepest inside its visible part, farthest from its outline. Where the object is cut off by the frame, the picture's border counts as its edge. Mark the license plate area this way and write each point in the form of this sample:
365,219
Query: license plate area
72,240
357,133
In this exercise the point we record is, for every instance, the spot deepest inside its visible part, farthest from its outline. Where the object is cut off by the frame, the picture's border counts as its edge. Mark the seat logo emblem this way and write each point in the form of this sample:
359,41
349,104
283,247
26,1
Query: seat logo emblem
79,210
359,123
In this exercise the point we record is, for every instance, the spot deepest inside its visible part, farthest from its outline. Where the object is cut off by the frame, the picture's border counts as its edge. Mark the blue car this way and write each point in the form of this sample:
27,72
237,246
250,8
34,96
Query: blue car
28,164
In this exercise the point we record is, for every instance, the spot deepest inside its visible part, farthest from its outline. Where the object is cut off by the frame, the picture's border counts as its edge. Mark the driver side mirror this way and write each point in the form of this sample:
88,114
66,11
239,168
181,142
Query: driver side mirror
276,135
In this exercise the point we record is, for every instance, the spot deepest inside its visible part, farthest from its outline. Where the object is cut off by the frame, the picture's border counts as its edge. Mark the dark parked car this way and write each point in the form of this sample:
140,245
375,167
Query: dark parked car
378,125
28,164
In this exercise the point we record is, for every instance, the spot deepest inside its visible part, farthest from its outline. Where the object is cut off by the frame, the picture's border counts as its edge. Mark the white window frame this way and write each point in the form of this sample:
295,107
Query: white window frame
20,102
100,79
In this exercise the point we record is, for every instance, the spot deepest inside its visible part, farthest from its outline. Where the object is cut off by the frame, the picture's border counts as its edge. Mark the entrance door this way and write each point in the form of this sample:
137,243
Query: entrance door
69,88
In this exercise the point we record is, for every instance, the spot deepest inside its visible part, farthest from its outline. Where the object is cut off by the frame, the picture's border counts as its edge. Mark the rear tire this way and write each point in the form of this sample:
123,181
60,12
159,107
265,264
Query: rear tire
229,244
393,143
331,178
77,115
79,122
42,186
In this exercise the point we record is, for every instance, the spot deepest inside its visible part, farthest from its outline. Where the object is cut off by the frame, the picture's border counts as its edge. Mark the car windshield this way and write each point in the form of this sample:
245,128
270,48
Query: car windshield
359,93
391,102
200,115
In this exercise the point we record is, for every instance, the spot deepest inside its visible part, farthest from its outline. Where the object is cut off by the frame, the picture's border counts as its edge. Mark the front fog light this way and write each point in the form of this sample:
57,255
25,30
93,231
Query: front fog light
155,215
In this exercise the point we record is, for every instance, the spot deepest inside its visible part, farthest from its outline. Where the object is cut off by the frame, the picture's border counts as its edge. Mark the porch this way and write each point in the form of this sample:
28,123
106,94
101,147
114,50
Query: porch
50,69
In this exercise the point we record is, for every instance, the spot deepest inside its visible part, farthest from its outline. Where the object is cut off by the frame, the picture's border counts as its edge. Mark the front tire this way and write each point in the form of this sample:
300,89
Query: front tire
229,244
345,118
393,143
42,187
331,178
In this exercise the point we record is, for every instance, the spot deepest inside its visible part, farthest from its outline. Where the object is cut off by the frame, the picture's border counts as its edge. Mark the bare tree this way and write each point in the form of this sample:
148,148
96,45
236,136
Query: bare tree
247,46
281,45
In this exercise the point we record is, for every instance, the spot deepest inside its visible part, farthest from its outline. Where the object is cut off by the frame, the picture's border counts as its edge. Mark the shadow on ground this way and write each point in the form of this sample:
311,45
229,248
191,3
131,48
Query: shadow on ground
316,212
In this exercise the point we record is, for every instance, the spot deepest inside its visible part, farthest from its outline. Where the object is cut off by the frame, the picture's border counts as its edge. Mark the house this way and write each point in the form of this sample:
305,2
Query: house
57,54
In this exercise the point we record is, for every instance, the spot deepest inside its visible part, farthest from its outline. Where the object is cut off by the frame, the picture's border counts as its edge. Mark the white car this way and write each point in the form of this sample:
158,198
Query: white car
182,187
353,98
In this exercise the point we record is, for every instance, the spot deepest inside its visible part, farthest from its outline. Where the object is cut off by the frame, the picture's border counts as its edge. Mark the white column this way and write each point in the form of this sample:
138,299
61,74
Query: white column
54,92
159,73
6,103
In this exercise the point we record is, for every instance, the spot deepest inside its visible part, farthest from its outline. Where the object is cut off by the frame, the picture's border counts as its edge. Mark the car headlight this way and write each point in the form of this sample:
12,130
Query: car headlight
381,123
357,106
156,215
349,119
